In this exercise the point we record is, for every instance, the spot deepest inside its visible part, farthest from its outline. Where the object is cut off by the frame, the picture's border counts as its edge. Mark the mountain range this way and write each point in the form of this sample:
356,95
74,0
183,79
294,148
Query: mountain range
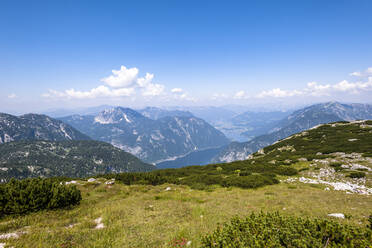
162,137
36,127
173,138
298,121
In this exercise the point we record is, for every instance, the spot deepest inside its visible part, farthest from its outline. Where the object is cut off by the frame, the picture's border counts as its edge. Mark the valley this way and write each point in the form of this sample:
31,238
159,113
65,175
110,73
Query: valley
152,140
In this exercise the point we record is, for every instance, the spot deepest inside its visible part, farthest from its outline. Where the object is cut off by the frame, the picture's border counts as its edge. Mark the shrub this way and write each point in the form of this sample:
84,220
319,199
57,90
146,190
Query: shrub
337,166
275,230
358,174
251,181
30,195
239,174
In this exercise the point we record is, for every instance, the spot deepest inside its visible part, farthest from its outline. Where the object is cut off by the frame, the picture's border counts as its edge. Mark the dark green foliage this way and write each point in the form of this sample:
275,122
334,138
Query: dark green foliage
336,166
65,158
241,174
357,174
30,195
274,230
370,222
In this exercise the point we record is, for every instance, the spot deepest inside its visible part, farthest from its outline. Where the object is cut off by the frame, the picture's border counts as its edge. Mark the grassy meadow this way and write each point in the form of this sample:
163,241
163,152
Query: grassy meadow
151,216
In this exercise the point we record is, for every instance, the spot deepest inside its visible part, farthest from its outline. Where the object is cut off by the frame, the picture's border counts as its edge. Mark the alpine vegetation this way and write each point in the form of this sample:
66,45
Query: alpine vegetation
30,195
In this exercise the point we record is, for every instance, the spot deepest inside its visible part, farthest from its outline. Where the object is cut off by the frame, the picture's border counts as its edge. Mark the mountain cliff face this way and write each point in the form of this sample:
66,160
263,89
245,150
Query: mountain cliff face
65,158
36,127
300,120
151,140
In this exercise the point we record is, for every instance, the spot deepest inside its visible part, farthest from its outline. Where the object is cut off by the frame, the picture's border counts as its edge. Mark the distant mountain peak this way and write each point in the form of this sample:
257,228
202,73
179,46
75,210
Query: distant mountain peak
36,127
298,121
117,115
152,136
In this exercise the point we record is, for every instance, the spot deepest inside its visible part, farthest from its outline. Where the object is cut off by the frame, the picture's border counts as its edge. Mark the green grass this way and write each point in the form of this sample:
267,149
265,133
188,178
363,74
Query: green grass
149,216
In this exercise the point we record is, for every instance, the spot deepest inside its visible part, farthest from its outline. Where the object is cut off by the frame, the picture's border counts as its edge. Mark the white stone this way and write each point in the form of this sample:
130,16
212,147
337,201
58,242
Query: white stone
337,215
90,180
100,226
168,188
188,243
110,182
261,151
99,223
9,236
71,225
14,235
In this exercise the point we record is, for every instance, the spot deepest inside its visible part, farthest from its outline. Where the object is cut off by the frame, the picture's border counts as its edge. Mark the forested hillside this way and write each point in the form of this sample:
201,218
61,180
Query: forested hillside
65,158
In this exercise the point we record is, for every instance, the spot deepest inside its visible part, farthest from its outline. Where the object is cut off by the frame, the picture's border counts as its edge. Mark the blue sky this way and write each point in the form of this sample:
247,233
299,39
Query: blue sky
62,53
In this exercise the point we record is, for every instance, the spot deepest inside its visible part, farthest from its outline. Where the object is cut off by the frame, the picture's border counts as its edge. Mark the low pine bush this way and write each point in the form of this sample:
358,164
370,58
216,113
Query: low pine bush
357,174
30,195
274,230
241,174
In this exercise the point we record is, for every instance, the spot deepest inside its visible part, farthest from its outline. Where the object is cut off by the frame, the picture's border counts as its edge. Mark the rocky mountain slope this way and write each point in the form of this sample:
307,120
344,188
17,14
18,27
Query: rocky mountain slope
36,127
300,120
65,158
337,155
150,140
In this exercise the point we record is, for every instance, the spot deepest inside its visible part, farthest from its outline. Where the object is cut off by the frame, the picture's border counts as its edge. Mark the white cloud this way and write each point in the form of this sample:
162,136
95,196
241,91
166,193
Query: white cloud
240,95
317,90
219,96
12,96
100,91
356,74
145,81
149,88
345,86
121,78
123,83
366,73
176,90
180,94
153,90
279,93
